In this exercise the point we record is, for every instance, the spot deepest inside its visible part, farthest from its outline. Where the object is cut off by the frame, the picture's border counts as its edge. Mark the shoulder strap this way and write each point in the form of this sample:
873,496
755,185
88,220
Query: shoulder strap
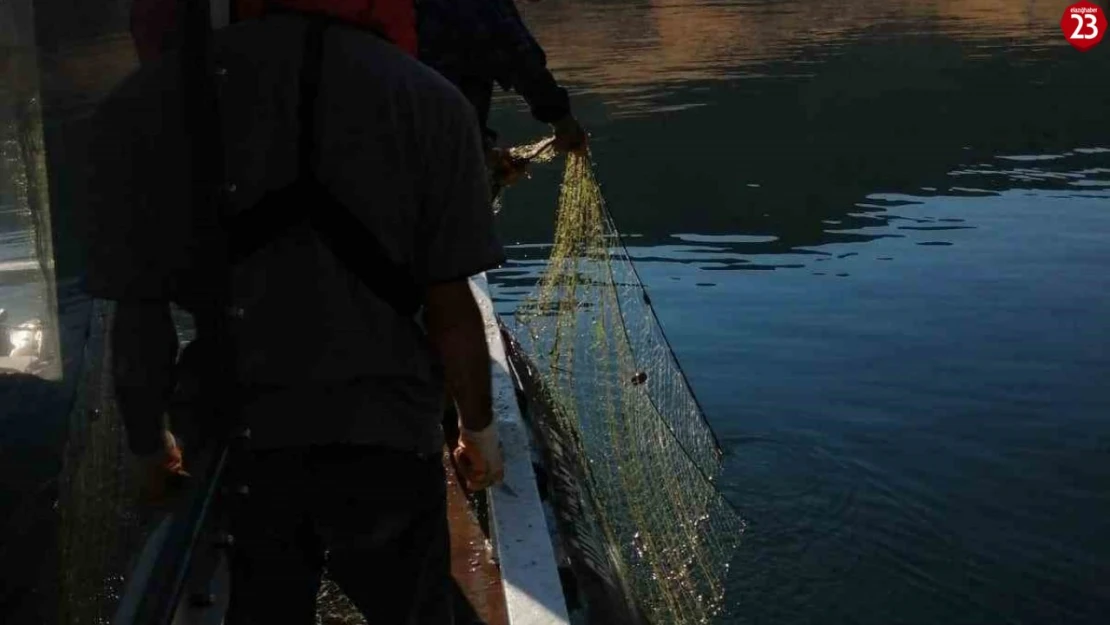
308,201
311,67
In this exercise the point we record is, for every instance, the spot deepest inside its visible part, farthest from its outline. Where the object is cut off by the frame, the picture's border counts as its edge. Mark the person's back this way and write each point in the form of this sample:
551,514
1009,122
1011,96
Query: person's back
395,145
343,392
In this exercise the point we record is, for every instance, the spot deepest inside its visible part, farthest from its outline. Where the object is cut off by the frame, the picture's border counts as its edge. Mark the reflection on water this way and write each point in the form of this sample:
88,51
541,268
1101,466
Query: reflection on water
913,218
876,216
877,236
634,49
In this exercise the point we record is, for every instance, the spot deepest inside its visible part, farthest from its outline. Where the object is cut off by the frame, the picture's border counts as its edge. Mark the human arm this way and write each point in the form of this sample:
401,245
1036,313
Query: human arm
144,352
136,232
457,331
522,65
457,240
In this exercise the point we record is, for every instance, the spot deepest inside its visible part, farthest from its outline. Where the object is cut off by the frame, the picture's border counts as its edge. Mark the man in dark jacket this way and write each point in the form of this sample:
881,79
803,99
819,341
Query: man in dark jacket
476,43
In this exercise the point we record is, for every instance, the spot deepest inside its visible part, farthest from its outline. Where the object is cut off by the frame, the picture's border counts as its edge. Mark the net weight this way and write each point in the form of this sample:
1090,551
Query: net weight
1087,20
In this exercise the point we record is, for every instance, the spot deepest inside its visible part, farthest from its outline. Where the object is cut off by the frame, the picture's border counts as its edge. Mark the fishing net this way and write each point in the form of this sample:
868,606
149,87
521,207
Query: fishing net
643,452
101,526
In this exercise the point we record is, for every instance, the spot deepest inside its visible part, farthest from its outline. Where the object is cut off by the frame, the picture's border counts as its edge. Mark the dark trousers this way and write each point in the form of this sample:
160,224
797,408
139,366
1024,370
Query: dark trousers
375,518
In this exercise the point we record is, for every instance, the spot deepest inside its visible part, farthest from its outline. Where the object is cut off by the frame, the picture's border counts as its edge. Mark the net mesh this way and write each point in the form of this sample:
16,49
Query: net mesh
101,526
644,447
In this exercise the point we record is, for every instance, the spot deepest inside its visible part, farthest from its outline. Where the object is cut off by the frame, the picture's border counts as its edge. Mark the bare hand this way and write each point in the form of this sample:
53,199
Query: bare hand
569,135
478,456
162,474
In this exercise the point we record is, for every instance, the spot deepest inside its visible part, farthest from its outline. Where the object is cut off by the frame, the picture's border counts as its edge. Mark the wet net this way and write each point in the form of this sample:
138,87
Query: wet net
101,526
621,411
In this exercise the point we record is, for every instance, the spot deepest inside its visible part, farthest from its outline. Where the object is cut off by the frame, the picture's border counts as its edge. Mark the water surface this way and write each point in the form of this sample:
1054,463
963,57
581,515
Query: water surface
878,237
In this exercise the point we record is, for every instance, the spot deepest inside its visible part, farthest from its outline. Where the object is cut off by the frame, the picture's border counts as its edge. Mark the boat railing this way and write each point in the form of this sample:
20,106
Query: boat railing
158,579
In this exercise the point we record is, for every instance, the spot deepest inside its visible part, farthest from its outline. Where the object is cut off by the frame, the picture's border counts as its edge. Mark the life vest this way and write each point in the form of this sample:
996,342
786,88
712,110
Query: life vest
153,26
154,23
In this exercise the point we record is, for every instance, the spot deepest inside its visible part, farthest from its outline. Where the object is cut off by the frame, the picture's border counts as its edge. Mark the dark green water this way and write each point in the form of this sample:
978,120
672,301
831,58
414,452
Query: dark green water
878,237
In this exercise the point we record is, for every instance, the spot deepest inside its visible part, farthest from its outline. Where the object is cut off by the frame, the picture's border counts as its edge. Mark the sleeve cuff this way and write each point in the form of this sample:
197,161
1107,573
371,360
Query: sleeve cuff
493,263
